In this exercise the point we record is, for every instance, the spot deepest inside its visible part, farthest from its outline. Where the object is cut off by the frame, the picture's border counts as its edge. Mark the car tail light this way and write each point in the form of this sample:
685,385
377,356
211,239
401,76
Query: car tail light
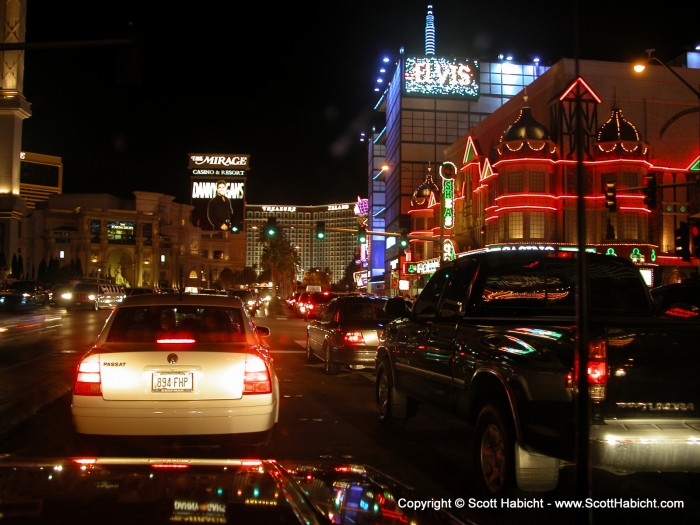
88,381
597,370
257,376
175,340
354,338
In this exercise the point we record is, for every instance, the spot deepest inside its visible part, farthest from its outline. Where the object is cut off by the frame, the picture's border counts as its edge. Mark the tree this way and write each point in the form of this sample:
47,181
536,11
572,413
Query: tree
280,259
347,283
53,273
318,277
41,274
248,276
227,278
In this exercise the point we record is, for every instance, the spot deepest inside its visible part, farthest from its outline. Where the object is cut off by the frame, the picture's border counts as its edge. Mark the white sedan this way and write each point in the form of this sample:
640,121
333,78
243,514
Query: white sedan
178,365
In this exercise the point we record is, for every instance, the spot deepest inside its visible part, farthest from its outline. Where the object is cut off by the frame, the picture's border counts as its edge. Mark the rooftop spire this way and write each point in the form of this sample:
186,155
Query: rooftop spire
430,32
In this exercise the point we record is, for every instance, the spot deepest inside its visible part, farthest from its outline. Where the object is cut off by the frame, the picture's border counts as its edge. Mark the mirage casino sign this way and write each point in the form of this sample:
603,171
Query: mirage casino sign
206,169
435,76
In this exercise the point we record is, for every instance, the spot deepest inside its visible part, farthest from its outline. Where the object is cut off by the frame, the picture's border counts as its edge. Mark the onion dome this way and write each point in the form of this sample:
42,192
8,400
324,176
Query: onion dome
526,127
421,197
618,136
526,137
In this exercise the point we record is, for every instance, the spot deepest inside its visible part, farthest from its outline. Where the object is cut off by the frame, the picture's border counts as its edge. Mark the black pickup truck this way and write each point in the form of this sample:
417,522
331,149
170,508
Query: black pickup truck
493,337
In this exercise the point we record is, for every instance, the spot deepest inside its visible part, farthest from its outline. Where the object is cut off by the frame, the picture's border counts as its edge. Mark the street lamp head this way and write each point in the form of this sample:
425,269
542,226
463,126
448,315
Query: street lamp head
641,65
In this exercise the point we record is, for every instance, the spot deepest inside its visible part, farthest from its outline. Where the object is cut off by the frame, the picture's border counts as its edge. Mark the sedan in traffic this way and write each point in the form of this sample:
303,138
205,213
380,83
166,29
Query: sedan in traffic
346,332
310,303
192,367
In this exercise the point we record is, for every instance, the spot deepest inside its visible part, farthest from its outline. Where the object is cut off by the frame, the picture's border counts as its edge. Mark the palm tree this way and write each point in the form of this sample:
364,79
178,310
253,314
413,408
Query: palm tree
280,258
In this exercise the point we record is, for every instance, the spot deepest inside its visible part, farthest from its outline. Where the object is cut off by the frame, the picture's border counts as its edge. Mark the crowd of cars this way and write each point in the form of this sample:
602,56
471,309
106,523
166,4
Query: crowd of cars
26,295
196,368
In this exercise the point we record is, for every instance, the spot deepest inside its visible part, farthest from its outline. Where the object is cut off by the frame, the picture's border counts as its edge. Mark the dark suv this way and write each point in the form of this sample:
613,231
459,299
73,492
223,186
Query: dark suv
678,300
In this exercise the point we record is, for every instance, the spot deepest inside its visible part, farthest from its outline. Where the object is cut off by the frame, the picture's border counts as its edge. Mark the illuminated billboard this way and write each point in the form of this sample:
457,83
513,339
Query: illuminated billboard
218,190
435,76
204,198
202,163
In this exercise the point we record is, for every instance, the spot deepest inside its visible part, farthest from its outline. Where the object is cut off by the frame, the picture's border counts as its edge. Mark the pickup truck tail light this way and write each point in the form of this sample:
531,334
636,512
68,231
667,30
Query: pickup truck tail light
597,370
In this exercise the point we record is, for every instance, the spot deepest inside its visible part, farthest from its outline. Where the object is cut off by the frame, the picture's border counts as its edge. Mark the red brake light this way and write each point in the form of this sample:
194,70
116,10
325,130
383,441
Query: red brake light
597,370
354,338
88,381
257,377
175,341
169,466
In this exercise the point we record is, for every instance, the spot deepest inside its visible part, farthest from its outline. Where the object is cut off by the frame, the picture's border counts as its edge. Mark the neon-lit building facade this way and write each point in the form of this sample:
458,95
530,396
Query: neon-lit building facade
517,176
430,103
515,159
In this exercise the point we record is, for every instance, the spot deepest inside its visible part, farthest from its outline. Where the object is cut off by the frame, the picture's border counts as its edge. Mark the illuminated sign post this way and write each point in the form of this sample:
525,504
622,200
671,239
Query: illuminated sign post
434,76
206,169
447,198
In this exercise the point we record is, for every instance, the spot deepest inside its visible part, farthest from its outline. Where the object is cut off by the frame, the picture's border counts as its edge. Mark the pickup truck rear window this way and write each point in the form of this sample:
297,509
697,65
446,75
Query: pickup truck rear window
551,283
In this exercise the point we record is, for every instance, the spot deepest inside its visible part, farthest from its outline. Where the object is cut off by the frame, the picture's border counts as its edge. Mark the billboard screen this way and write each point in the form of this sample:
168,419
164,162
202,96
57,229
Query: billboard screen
435,76
208,203
218,189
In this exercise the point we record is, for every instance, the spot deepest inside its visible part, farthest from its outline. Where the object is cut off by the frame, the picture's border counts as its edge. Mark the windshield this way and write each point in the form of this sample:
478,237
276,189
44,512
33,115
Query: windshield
148,323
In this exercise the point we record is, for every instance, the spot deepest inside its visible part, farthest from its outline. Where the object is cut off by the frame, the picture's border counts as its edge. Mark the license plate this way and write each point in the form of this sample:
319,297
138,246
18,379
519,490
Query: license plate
171,382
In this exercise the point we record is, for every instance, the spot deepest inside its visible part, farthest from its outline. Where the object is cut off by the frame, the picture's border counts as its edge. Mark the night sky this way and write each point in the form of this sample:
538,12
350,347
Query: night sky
293,86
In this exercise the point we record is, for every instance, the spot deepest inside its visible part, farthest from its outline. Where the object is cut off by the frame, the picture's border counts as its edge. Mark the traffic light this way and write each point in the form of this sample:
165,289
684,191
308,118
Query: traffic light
610,196
362,235
694,230
236,227
271,230
403,239
683,241
320,230
649,191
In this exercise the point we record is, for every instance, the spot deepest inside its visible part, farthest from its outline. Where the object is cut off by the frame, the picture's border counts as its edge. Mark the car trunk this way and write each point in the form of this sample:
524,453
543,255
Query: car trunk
174,373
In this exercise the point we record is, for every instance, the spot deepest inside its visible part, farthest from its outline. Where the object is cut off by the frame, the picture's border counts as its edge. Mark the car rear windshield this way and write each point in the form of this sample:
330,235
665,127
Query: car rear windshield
151,323
320,297
369,310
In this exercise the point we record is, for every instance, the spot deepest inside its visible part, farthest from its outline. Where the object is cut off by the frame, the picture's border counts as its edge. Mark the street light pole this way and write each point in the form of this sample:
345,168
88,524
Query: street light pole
639,67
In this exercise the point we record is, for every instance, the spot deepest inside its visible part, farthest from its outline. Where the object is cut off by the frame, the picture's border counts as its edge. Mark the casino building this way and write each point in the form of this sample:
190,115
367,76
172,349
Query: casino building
477,155
334,253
